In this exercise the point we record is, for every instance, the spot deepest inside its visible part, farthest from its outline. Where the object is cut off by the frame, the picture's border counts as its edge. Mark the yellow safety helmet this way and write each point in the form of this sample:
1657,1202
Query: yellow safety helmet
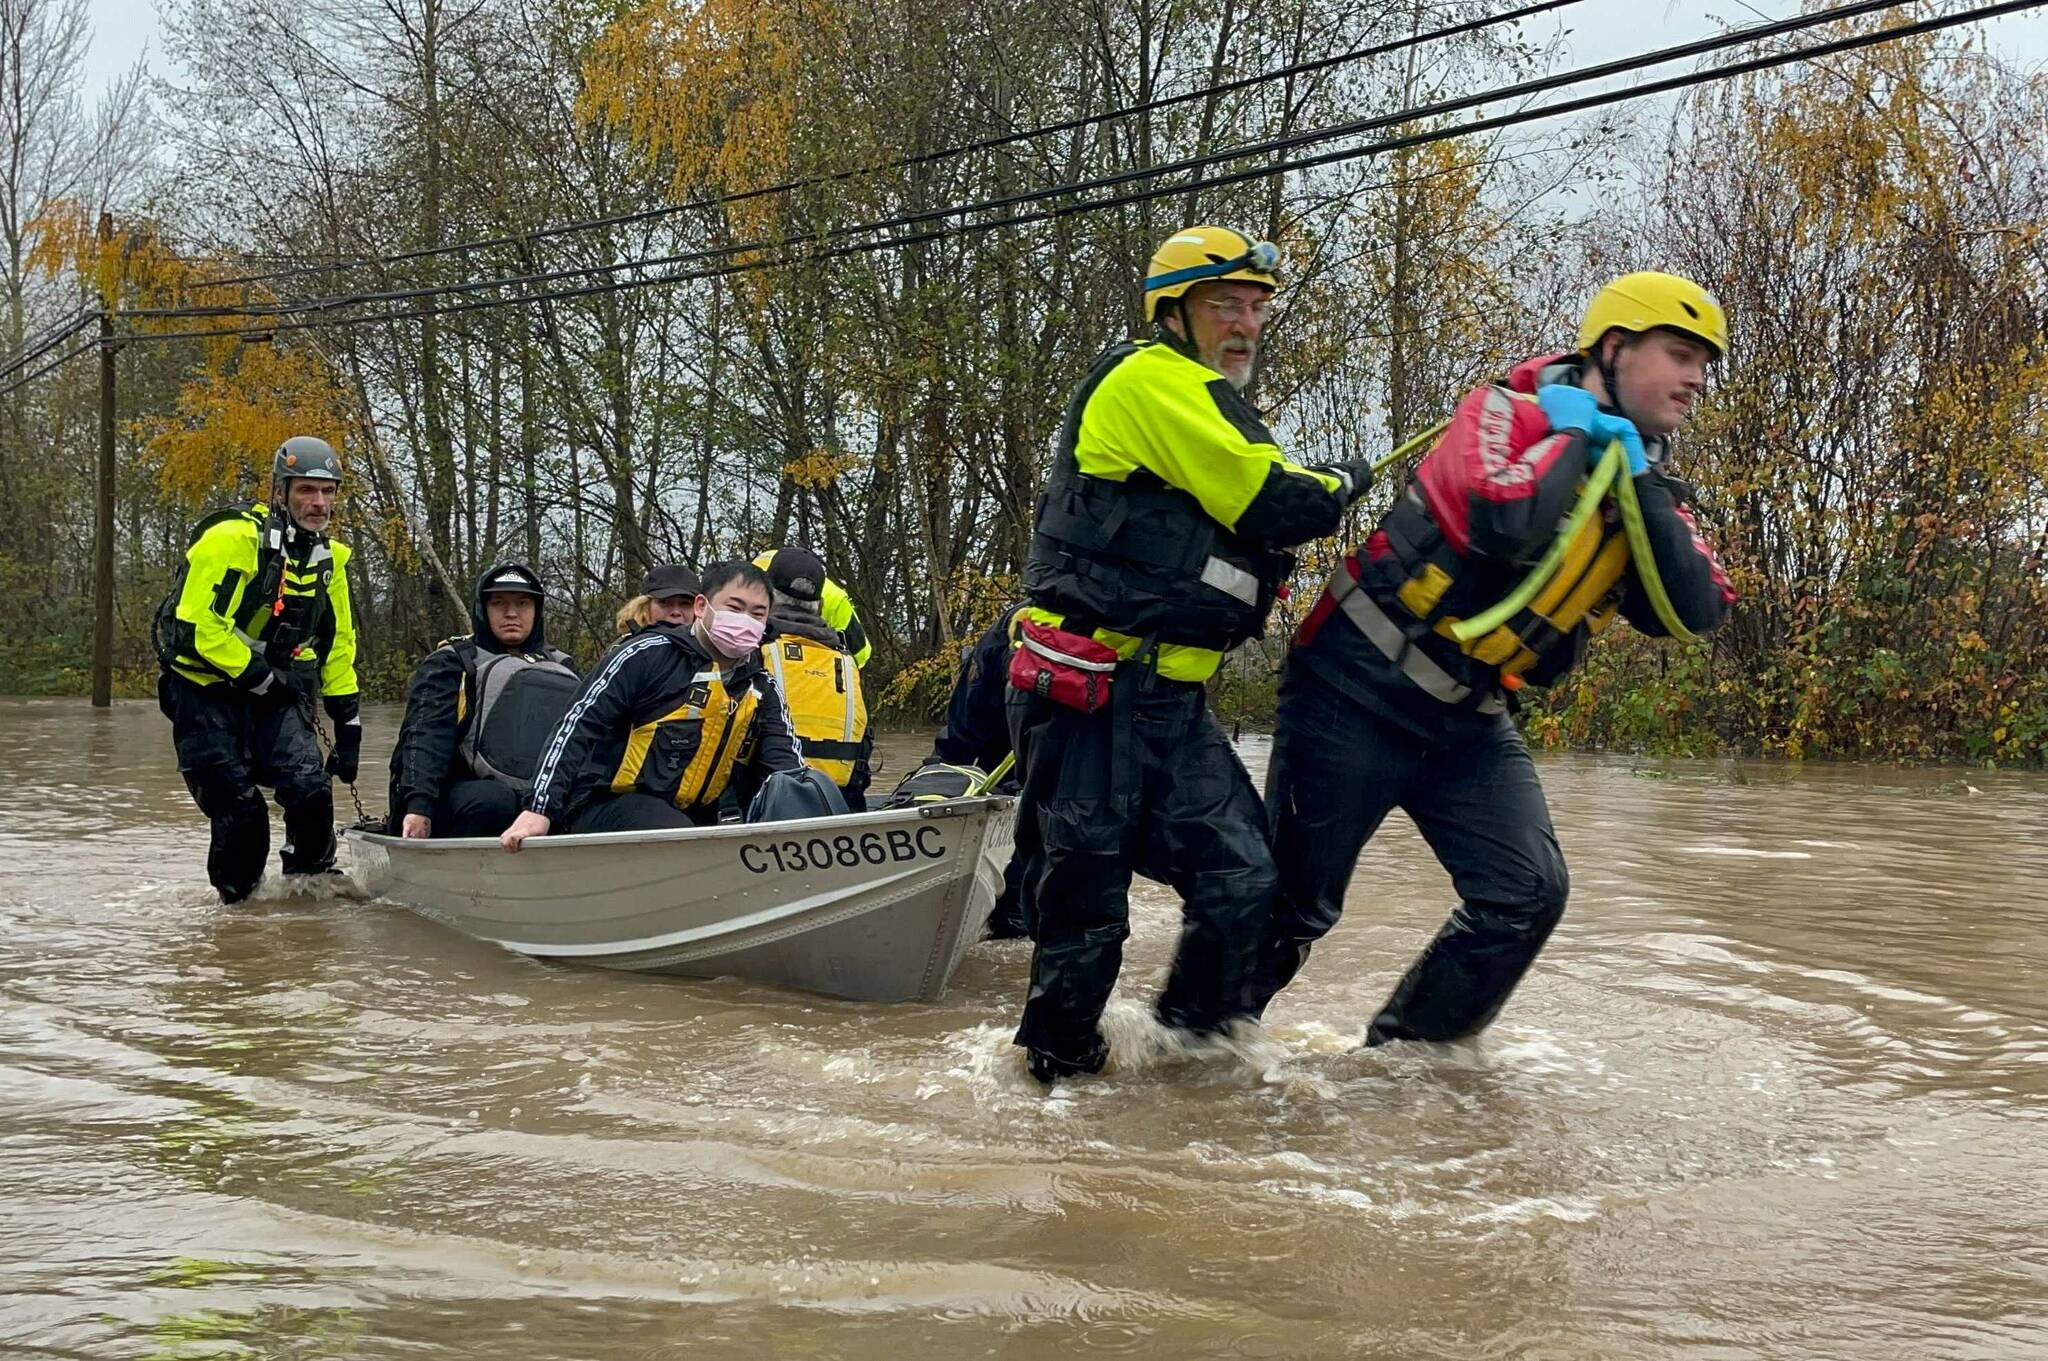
1196,255
1646,300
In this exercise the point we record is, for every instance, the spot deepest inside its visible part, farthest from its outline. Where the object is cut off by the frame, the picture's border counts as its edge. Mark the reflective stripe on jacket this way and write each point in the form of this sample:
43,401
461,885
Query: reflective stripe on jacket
821,687
227,631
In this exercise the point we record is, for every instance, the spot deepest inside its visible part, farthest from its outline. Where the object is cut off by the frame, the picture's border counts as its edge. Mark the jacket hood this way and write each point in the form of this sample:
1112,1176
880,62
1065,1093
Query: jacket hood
800,619
1531,374
537,640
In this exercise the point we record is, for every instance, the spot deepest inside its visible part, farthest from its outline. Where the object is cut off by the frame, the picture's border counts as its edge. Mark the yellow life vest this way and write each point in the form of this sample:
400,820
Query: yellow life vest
687,755
1584,588
821,690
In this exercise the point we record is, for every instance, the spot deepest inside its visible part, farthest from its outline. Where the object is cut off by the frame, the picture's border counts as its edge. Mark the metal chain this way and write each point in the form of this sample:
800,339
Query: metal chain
320,732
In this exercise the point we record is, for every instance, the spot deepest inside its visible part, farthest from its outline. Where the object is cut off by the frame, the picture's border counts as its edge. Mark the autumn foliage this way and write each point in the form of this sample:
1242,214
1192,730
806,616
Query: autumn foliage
1875,454
1871,459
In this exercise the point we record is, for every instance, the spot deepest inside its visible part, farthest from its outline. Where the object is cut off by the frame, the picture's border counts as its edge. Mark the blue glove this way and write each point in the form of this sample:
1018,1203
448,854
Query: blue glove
1568,407
1573,408
1607,429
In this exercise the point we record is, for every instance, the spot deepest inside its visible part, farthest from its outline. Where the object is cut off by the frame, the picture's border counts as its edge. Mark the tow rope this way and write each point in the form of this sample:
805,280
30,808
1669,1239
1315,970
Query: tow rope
1606,476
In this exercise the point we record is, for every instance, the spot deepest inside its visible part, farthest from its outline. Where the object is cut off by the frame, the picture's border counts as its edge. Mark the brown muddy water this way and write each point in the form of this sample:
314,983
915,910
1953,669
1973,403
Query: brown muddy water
1779,1088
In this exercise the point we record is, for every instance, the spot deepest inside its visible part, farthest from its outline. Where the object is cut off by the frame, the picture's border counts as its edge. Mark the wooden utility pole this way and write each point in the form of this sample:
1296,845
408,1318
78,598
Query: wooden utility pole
103,506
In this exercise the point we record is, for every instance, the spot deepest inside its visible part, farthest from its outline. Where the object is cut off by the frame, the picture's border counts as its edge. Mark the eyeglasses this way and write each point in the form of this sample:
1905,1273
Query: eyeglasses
1237,309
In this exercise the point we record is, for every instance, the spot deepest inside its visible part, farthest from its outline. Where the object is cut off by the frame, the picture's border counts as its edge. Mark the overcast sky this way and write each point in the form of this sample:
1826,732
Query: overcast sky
1600,30
1597,30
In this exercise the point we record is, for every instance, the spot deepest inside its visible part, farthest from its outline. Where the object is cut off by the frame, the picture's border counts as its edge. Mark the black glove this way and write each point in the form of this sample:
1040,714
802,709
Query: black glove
1356,478
278,686
347,756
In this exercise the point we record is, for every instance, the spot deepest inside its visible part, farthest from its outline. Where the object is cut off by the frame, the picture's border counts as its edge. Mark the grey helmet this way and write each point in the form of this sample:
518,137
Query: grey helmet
305,456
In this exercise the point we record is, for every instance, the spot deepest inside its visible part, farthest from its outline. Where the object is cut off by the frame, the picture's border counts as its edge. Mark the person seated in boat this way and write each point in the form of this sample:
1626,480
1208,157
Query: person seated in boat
818,677
834,604
477,713
668,595
669,719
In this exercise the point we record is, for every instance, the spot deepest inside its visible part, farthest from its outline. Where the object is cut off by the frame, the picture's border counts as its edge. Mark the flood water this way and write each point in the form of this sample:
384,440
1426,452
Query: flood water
1778,1088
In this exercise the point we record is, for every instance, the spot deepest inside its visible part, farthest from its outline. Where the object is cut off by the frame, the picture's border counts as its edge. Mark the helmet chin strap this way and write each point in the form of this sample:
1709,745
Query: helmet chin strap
1605,365
1183,340
1655,446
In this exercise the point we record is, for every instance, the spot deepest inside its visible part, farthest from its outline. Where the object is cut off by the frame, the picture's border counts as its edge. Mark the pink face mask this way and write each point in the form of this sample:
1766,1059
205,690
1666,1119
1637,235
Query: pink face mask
734,634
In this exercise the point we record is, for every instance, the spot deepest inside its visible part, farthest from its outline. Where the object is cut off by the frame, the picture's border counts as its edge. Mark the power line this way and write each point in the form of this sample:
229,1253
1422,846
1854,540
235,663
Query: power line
924,158
61,323
266,329
1677,82
49,339
1290,141
39,340
56,363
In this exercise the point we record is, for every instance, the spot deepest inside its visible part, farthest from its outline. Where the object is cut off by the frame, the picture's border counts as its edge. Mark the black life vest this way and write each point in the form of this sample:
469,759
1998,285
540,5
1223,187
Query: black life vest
283,607
1140,557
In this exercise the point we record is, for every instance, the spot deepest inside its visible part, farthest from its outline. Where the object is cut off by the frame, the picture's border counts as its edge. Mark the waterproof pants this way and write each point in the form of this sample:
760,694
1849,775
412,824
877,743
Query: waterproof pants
475,808
1150,785
635,813
1337,770
228,744
1010,919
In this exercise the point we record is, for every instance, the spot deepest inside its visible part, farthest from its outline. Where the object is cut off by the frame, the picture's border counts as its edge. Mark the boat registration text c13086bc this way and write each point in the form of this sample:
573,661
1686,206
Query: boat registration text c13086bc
844,851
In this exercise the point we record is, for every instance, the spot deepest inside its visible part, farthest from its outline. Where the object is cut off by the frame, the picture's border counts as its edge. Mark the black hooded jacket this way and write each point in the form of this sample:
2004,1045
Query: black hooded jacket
425,761
644,681
800,618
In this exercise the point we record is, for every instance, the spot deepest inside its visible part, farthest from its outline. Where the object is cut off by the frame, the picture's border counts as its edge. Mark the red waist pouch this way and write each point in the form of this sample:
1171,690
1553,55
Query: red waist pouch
1067,668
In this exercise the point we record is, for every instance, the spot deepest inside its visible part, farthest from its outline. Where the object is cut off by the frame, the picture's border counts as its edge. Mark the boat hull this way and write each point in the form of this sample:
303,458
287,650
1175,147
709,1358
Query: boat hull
877,907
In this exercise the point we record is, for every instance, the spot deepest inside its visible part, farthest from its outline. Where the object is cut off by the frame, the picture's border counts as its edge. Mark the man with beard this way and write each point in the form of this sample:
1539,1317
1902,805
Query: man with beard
1158,546
256,628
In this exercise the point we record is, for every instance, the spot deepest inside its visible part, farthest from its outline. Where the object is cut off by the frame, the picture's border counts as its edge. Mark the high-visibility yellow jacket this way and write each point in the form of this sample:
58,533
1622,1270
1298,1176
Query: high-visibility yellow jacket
1167,510
257,594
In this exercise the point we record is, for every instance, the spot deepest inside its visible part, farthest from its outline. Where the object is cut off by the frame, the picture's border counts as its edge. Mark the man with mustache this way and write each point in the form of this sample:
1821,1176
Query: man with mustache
257,626
1382,707
1157,548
